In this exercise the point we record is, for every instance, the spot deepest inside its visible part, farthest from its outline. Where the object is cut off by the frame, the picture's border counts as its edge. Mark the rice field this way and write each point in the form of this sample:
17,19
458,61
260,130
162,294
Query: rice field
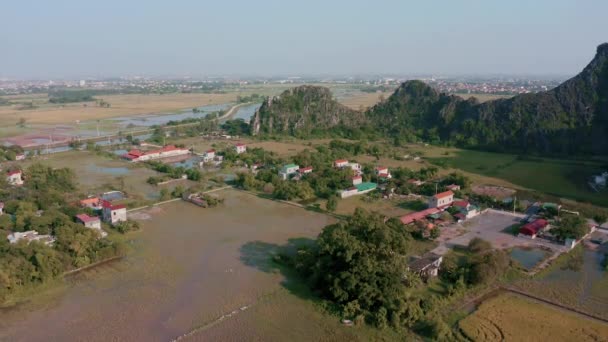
510,317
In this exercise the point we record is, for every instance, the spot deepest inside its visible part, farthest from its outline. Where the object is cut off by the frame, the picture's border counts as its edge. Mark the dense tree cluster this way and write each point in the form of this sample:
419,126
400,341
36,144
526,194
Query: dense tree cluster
360,265
570,227
41,206
481,265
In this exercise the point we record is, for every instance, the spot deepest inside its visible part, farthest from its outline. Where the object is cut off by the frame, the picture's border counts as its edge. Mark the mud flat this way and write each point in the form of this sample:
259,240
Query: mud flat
189,267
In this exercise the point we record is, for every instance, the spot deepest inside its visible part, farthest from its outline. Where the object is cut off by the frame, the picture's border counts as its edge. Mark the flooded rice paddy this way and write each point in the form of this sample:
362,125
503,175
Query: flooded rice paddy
189,267
580,283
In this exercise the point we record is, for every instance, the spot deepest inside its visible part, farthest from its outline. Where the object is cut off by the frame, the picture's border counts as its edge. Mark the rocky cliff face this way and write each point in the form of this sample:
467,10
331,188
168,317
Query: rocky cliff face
303,109
571,118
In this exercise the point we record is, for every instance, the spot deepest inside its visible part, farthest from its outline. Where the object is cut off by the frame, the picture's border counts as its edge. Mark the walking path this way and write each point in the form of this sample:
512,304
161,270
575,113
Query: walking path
175,199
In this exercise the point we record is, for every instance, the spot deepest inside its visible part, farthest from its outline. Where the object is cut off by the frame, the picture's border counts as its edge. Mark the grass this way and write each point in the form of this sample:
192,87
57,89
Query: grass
557,177
510,317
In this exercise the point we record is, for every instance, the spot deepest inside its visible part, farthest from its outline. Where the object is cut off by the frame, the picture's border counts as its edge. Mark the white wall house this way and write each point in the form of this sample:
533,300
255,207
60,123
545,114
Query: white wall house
441,199
14,177
113,214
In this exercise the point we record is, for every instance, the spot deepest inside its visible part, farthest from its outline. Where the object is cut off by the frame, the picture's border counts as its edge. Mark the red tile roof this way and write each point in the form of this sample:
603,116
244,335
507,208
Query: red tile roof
111,206
357,177
461,204
304,169
444,194
239,145
533,228
15,172
86,218
409,218
340,161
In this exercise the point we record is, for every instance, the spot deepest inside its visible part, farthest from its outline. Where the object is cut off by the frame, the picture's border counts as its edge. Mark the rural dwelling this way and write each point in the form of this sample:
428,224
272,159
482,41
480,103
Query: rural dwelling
453,187
208,155
165,152
530,230
89,221
357,180
91,202
305,170
240,148
1,208
383,172
14,177
29,236
114,213
419,215
288,170
341,163
20,156
441,199
426,266
416,182
356,167
358,189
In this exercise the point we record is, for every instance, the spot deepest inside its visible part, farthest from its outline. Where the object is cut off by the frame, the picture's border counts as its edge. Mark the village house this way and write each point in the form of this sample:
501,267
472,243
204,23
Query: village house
419,215
288,170
426,266
1,208
356,167
340,163
92,222
209,155
20,156
89,221
91,202
165,152
114,213
240,148
531,229
466,209
305,170
453,187
416,182
357,180
383,173
358,189
29,236
442,199
14,177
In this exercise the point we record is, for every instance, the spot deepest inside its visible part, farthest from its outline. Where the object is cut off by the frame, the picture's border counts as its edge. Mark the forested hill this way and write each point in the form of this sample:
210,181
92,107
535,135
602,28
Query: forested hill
302,110
569,119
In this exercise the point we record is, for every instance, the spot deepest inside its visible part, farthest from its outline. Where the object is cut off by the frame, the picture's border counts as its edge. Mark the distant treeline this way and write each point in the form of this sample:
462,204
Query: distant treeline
69,96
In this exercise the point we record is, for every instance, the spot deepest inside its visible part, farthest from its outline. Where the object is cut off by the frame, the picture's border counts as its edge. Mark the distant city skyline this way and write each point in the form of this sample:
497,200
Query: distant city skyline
73,39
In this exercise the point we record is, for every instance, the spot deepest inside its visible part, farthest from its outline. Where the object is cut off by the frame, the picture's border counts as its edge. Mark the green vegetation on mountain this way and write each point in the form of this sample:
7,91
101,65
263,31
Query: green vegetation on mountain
303,111
567,120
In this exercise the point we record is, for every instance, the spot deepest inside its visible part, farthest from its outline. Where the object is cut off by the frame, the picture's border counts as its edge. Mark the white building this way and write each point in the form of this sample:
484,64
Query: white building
29,236
20,156
209,156
356,167
114,213
91,222
14,177
357,180
441,199
341,163
240,148
288,170
1,208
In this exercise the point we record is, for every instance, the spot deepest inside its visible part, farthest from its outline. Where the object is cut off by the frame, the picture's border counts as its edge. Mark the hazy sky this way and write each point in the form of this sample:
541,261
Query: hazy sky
60,38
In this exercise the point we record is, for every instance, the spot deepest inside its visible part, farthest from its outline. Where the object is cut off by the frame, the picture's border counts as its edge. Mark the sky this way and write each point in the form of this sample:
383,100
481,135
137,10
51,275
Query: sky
67,39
